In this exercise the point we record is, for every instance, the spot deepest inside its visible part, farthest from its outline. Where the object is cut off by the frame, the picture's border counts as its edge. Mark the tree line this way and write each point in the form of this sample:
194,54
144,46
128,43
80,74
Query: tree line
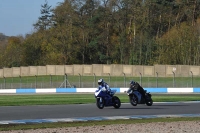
135,32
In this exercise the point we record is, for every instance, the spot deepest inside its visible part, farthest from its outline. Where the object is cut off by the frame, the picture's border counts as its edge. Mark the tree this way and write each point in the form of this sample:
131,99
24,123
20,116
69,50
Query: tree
64,31
44,22
139,32
13,52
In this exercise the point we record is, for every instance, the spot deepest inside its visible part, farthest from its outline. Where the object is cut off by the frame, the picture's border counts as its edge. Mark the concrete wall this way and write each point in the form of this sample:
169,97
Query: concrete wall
78,69
1,72
97,69
87,70
137,71
195,70
7,72
69,69
16,71
24,71
148,71
116,70
32,70
42,70
128,70
60,69
51,69
160,70
104,70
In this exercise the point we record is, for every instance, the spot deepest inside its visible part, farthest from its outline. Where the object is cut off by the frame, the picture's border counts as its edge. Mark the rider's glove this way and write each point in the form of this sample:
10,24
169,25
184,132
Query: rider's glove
103,89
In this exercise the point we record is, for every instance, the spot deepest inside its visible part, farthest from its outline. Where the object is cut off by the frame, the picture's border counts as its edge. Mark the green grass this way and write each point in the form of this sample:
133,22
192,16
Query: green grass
77,98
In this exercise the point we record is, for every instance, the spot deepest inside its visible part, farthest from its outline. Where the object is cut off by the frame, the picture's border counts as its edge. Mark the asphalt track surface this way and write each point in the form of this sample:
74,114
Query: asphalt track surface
8,113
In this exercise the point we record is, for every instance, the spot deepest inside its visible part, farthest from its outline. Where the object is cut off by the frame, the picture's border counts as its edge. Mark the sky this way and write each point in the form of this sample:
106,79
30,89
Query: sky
18,16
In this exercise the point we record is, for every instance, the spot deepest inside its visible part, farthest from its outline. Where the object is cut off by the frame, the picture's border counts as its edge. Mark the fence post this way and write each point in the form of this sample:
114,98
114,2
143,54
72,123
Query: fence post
35,81
4,82
20,82
156,79
140,79
79,80
124,79
109,77
50,80
66,81
191,78
173,78
94,80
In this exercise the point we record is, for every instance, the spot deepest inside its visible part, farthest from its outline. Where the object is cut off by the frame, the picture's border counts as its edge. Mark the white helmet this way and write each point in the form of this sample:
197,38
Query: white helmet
100,81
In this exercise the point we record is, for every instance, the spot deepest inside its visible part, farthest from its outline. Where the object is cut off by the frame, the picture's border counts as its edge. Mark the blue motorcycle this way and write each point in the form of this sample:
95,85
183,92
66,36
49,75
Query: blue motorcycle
103,99
136,97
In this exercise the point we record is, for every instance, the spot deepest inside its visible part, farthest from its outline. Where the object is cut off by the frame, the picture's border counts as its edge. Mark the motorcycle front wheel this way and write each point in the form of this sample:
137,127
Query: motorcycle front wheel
100,104
133,100
117,102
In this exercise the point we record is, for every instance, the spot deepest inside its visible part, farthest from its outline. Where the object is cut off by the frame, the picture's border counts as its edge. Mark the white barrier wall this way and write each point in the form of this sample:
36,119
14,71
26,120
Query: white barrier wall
92,90
180,90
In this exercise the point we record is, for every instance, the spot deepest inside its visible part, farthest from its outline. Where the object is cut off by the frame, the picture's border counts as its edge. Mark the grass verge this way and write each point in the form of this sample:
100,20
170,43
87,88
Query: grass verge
92,123
77,98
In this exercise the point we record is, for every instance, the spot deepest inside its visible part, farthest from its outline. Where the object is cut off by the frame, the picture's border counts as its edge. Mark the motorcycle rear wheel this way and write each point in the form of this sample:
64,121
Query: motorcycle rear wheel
116,101
100,104
149,102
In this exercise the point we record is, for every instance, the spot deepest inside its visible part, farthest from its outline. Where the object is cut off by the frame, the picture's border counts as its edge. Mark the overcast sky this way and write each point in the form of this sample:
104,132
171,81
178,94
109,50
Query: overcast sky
18,16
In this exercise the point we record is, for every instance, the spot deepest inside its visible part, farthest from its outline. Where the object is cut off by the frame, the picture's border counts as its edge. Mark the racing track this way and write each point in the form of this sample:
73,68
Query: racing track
55,113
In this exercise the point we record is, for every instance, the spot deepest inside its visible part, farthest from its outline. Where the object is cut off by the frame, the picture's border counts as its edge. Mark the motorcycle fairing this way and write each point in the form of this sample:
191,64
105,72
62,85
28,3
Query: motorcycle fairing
138,94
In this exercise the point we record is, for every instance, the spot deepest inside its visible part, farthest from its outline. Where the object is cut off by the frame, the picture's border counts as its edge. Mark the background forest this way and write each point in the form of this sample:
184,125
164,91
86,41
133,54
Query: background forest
135,32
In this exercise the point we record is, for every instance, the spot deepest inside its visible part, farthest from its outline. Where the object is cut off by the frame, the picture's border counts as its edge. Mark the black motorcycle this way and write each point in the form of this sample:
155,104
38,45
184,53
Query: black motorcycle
136,97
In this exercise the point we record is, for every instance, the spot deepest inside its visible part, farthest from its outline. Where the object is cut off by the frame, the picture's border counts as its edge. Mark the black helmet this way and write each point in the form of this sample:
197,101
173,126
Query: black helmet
100,81
132,83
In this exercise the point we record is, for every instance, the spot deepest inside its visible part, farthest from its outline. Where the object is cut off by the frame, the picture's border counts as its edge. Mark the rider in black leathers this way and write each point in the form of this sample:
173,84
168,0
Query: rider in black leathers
136,86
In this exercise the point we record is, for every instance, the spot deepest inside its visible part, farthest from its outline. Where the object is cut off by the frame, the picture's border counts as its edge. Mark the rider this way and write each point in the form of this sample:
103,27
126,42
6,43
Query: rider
136,86
102,84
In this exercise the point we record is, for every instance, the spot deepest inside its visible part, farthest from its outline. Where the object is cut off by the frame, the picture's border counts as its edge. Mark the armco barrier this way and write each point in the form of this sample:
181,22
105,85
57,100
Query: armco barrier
78,90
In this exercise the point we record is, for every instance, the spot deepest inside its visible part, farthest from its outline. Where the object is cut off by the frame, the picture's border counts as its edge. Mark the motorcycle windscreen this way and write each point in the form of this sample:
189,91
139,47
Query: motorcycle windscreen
100,93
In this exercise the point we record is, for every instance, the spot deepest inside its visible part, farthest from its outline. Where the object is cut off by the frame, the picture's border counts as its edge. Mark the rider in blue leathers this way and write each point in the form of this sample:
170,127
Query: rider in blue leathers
104,86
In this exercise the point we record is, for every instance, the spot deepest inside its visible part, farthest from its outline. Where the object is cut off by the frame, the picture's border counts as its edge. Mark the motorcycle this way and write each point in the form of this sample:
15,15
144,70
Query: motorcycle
103,99
136,97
